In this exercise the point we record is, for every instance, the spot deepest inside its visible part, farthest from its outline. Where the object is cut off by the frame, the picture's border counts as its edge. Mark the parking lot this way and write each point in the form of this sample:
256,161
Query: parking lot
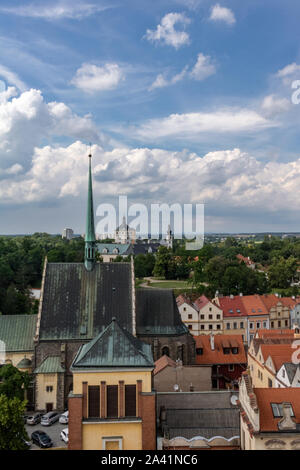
53,432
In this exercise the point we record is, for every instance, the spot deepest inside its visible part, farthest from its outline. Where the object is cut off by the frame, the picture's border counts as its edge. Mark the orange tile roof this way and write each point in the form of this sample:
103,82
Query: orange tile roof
266,396
182,299
217,355
277,351
162,363
270,300
254,305
201,302
263,333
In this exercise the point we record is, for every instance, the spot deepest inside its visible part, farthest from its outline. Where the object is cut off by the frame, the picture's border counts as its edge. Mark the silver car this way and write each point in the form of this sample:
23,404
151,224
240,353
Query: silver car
64,418
49,418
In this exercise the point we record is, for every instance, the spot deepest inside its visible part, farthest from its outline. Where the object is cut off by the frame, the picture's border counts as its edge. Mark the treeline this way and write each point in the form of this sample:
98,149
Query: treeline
21,264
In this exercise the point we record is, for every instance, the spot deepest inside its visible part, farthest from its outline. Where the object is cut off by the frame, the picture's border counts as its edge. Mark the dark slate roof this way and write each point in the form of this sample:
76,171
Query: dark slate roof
157,313
17,332
114,347
79,304
143,248
207,423
50,365
291,370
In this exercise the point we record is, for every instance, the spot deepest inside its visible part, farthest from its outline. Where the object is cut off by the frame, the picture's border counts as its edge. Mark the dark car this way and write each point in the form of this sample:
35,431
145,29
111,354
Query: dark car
41,439
34,419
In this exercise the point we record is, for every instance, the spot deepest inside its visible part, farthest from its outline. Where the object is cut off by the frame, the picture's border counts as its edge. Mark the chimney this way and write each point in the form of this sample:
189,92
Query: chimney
241,294
231,296
212,342
286,423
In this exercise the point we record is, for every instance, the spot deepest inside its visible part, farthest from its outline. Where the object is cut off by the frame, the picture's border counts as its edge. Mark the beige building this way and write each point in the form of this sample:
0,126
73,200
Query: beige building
48,383
189,314
279,309
210,316
235,319
269,418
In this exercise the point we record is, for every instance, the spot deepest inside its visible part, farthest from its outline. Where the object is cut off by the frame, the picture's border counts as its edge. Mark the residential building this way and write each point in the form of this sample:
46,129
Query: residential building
295,315
257,313
189,314
235,318
198,421
173,376
110,251
265,360
112,406
288,375
245,259
269,418
210,316
226,355
279,309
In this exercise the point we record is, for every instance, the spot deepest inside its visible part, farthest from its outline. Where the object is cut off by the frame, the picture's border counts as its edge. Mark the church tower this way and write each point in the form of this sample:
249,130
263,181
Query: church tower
90,238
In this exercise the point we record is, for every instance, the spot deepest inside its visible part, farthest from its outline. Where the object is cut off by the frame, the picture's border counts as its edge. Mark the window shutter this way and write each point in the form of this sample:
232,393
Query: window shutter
94,401
130,400
112,401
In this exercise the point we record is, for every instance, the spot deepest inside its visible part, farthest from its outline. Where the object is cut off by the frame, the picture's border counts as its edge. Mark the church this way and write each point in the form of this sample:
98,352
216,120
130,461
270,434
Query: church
78,302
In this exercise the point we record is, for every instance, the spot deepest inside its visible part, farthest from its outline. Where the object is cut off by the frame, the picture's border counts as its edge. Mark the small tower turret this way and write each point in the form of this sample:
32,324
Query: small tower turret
90,238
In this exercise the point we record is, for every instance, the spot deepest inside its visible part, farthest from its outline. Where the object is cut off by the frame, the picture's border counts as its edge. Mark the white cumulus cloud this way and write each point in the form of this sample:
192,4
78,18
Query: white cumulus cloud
273,105
203,67
92,78
219,13
166,33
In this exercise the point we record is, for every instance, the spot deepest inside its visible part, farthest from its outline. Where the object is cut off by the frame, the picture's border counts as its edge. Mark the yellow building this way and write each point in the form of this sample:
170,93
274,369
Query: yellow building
48,383
112,406
269,418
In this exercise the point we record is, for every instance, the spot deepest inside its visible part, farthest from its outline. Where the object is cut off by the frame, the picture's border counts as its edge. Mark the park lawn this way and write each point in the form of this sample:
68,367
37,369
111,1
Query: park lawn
171,285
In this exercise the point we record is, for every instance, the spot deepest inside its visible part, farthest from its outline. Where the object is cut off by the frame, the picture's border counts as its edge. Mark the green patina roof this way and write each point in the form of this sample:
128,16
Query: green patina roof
17,332
50,365
123,248
114,347
24,363
90,225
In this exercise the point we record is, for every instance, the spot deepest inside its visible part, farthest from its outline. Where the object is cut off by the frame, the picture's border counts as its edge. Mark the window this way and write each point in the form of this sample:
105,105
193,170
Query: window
231,367
130,400
218,327
251,326
94,401
277,410
210,309
210,327
283,373
210,317
265,324
184,309
228,326
279,323
235,350
49,388
202,327
202,317
242,324
199,351
258,325
112,401
272,324
190,327
270,383
234,325
190,316
286,322
226,350
165,351
218,317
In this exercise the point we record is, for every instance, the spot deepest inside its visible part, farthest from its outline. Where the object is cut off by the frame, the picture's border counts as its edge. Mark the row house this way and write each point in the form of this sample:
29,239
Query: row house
257,313
288,375
226,355
269,418
279,309
234,316
202,316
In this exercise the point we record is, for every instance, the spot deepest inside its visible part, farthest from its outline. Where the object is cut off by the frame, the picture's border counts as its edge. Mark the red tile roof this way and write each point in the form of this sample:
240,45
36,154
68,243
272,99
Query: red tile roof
217,355
266,396
270,300
232,306
264,334
279,353
162,363
254,305
201,302
245,259
182,299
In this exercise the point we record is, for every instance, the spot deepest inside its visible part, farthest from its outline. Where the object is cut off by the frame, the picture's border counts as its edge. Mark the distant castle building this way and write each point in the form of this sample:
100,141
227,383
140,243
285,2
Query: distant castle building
68,234
124,234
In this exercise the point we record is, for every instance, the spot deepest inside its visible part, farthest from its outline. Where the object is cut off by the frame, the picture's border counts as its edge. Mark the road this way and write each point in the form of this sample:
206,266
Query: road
52,431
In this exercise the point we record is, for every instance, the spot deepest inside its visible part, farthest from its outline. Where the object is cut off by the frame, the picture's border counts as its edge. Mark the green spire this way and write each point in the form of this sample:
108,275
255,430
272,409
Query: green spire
90,238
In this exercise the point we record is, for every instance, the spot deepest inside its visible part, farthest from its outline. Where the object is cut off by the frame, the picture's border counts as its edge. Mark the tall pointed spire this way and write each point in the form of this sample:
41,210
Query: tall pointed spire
90,238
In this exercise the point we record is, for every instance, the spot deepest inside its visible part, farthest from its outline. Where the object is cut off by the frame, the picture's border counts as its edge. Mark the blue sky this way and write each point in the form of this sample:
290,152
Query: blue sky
183,101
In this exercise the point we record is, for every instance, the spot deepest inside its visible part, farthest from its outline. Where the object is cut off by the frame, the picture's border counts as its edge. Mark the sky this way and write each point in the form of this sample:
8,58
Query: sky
183,101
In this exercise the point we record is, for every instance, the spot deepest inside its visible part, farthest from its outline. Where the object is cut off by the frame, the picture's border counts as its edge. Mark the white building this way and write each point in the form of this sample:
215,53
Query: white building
124,233
289,375
68,233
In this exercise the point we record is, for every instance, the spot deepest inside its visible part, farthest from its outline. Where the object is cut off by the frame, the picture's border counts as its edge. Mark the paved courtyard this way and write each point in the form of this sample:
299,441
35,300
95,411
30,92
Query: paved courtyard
53,432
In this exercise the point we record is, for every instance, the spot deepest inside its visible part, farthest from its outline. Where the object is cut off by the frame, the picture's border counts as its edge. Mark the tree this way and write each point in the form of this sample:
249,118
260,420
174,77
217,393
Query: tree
13,382
12,429
282,272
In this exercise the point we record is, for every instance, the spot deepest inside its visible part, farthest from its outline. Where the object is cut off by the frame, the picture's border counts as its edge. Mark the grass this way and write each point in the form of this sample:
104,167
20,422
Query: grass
171,285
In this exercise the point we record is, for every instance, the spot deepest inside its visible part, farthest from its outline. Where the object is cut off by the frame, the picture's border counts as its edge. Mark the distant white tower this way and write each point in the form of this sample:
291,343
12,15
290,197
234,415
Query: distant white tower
68,233
169,237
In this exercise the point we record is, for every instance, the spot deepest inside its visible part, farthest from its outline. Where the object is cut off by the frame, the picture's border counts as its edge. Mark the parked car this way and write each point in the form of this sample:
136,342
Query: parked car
49,418
41,439
64,418
34,419
64,435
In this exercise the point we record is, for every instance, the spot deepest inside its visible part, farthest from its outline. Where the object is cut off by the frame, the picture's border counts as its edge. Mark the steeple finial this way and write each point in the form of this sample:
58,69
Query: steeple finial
90,238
